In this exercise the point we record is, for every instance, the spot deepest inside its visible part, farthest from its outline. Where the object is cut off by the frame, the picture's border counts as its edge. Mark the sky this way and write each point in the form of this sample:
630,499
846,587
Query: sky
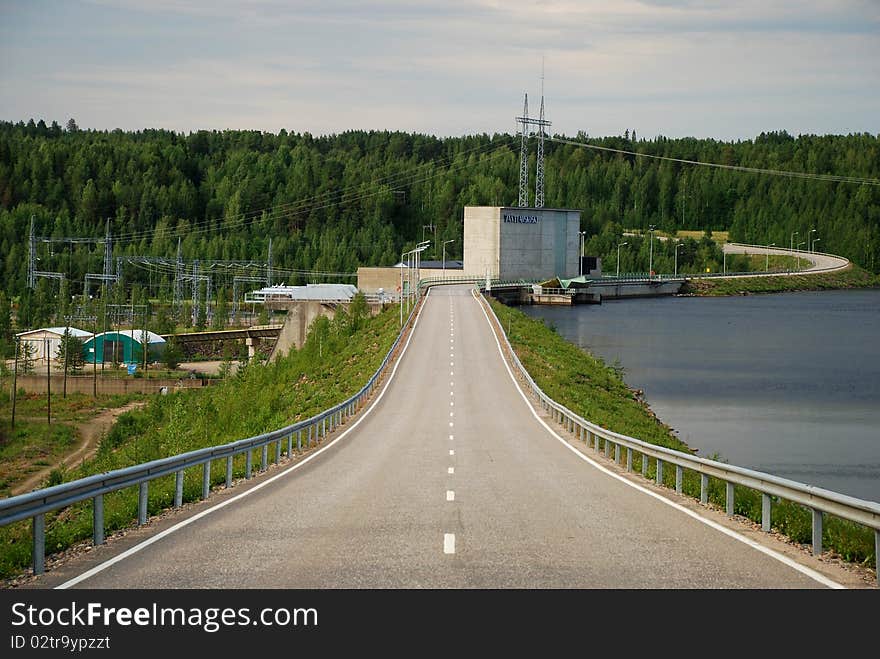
723,69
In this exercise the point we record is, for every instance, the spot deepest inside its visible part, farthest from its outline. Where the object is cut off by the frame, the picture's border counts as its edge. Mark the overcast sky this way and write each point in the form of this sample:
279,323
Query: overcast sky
726,69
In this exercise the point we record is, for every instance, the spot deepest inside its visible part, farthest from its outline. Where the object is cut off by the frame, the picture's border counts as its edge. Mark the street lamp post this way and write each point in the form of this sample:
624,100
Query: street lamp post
618,257
421,247
803,242
767,266
677,247
791,244
651,254
452,240
813,247
400,296
809,239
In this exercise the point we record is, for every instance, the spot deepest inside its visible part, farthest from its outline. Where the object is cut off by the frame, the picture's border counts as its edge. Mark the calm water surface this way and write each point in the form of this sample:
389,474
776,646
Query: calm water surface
787,384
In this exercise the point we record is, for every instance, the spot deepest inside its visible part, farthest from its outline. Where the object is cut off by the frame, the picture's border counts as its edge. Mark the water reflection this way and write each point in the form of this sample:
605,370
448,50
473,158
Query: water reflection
788,383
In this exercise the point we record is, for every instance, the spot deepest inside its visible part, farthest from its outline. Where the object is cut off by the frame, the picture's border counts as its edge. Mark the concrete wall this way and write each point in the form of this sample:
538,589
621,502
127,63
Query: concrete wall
521,243
482,240
300,315
370,280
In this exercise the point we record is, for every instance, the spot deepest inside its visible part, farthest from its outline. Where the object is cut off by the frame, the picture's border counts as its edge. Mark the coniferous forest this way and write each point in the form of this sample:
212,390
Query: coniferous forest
332,203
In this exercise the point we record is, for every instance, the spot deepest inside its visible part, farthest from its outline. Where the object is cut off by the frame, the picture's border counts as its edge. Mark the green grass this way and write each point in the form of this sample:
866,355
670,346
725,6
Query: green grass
597,392
336,361
34,442
854,277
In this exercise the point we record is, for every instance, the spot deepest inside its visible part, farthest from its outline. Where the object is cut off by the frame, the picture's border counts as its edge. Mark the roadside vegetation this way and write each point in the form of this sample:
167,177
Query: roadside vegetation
337,359
596,391
35,443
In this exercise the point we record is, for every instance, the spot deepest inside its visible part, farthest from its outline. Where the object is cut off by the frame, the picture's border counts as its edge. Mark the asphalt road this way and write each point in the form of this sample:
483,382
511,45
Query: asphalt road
820,262
450,480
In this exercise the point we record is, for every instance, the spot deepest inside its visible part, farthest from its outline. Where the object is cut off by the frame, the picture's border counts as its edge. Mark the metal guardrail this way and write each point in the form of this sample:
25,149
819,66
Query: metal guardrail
34,505
818,500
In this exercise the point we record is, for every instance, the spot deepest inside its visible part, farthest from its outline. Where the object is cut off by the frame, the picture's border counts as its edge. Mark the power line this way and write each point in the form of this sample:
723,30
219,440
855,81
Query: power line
739,168
350,194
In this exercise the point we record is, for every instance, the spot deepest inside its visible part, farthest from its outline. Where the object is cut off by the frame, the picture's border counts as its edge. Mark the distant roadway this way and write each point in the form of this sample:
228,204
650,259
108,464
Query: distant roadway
451,479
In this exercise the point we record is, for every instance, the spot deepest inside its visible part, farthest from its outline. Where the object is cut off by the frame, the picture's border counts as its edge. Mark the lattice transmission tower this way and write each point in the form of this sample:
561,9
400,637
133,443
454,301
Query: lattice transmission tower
526,123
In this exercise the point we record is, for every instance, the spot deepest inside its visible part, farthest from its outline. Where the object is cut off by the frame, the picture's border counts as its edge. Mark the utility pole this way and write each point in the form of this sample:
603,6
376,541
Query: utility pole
651,254
15,379
48,386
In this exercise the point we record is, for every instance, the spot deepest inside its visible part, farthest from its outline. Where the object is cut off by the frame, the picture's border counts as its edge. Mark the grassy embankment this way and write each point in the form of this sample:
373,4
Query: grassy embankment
35,443
597,392
336,361
853,277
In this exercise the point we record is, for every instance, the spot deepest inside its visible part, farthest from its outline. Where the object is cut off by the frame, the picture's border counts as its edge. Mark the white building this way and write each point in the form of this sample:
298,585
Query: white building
521,243
315,292
46,340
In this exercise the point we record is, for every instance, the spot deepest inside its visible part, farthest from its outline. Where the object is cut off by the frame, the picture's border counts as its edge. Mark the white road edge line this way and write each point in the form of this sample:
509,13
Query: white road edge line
448,543
146,543
825,581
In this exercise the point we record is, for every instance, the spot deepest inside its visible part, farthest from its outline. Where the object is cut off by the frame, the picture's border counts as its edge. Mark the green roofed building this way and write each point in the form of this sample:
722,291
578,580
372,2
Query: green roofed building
124,347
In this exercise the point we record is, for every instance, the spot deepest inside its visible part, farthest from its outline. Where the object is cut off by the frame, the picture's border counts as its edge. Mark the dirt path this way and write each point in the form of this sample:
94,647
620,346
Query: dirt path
90,433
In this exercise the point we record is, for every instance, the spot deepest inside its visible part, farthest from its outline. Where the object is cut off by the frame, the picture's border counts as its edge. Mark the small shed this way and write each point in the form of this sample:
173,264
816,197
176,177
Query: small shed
124,347
46,340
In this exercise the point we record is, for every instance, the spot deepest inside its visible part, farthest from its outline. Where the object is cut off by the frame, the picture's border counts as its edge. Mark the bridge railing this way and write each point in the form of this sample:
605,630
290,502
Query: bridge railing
818,500
34,505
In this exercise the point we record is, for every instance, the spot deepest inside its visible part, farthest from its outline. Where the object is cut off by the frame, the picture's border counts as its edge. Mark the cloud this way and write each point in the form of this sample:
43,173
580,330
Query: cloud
662,66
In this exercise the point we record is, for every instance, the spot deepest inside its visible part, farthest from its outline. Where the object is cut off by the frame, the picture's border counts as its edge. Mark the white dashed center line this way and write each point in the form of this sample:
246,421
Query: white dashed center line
450,495
448,543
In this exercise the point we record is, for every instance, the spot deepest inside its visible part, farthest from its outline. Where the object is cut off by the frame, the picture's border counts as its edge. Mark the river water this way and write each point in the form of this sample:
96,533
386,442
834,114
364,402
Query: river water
787,384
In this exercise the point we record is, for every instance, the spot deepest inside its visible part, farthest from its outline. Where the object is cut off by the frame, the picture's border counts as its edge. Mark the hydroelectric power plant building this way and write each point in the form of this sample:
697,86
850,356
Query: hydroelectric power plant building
521,243
501,242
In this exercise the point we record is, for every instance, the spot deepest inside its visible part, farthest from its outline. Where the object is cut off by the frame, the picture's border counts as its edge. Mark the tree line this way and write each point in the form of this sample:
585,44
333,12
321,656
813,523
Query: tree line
333,203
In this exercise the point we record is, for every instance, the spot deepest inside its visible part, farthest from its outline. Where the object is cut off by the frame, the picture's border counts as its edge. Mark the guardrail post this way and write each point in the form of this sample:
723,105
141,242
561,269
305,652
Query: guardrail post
143,490
817,532
206,479
730,499
704,489
228,471
39,552
277,451
678,475
98,520
629,459
876,554
299,437
289,445
248,463
309,440
178,489
659,474
264,457
617,453
765,512
607,448
324,427
644,465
